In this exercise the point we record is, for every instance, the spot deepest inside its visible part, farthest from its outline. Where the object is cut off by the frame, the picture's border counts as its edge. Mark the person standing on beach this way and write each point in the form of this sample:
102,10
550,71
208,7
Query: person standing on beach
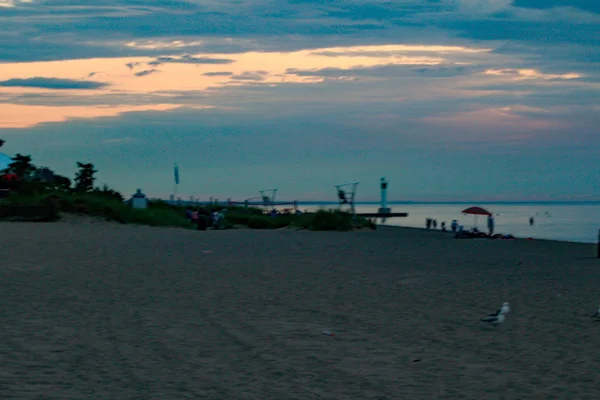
454,225
435,224
531,221
491,224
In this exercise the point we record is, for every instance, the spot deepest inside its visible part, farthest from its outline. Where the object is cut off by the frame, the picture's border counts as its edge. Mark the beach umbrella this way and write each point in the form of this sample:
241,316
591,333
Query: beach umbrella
476,211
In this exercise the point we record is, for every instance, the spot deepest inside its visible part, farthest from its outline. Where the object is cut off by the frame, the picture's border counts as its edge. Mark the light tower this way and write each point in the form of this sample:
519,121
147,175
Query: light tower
384,209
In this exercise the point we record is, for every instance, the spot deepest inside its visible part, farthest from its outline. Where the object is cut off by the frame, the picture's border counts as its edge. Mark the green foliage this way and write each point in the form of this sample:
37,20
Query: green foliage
97,205
22,166
85,177
61,183
31,188
320,221
108,193
43,174
163,205
329,220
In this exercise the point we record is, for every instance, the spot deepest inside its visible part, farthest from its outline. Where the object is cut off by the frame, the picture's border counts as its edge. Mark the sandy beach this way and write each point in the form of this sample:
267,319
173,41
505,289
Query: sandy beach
107,311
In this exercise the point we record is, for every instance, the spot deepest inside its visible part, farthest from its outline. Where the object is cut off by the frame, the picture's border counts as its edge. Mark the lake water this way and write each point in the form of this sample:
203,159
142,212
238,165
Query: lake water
565,221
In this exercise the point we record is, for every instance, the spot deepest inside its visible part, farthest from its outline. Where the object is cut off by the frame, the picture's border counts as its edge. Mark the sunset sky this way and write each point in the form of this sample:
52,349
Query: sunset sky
450,99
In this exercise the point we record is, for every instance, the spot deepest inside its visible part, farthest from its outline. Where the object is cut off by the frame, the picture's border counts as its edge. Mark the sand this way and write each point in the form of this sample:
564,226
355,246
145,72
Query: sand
106,311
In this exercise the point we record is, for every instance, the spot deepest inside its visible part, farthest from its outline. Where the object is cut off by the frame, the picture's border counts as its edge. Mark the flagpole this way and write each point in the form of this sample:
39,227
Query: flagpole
176,176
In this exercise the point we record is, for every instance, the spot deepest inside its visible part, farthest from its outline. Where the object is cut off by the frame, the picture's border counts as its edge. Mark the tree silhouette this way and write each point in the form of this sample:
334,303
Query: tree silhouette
22,166
84,178
62,182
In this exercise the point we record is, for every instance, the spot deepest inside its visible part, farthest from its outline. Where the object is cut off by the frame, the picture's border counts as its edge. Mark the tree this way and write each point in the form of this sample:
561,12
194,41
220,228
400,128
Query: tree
84,178
62,182
43,174
22,166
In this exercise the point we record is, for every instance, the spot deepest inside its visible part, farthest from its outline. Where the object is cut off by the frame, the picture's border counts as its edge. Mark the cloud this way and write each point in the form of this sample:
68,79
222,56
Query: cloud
312,154
587,5
501,85
25,116
224,73
188,59
52,83
251,76
133,65
13,3
386,71
531,74
146,72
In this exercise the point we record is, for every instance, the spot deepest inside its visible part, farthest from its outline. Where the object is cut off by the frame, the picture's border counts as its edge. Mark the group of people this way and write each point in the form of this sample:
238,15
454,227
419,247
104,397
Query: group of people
455,227
432,223
286,211
204,219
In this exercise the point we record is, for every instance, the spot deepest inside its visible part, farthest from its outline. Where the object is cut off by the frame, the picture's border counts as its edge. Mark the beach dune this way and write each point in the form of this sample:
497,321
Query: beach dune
107,311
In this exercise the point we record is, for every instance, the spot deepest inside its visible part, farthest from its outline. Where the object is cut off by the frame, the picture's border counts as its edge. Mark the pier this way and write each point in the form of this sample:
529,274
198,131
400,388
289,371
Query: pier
383,215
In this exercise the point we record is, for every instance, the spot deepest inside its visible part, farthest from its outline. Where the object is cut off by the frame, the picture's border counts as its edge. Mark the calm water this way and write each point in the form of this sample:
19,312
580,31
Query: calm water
569,222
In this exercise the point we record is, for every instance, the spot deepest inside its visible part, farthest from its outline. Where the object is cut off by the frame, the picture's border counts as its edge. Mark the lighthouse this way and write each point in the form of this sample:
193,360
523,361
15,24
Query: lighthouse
384,209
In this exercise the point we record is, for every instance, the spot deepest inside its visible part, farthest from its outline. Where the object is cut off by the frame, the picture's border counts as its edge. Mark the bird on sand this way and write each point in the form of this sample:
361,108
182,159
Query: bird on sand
494,319
499,316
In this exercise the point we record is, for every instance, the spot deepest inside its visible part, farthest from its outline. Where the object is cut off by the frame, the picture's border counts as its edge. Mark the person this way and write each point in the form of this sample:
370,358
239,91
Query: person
428,223
435,224
203,219
490,222
531,221
218,220
202,222
194,216
443,226
454,225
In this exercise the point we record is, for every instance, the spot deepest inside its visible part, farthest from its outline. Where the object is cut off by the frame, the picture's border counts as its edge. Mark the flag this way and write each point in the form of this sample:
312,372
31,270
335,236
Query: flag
176,171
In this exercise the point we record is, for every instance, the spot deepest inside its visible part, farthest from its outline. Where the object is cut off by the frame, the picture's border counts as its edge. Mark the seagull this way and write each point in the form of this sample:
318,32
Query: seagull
494,319
505,309
499,316
597,314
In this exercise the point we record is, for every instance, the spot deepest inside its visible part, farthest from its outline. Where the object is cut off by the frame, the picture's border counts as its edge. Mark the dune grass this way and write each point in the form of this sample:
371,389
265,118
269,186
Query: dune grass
160,213
322,220
110,209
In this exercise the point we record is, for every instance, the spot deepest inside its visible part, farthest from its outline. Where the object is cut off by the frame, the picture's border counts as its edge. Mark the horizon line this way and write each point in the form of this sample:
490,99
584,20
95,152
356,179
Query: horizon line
406,202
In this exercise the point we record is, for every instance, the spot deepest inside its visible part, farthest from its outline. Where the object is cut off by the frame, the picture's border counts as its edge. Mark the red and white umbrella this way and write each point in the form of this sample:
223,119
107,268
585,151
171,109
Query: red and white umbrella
476,211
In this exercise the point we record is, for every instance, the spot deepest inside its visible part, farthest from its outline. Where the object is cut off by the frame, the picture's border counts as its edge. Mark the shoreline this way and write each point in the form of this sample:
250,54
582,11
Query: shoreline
450,233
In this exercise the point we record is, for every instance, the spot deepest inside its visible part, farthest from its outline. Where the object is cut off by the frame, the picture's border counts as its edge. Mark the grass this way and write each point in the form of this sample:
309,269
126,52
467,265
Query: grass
160,213
322,220
110,209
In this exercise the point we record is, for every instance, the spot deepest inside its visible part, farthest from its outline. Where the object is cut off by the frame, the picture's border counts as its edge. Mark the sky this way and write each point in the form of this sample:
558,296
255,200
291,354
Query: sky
492,100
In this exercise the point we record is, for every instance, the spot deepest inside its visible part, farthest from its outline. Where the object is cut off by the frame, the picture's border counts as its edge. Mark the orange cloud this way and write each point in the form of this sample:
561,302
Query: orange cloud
501,117
23,116
520,74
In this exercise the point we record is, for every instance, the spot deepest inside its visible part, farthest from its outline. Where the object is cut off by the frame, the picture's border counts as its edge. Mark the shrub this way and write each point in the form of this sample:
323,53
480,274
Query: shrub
100,205
329,220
